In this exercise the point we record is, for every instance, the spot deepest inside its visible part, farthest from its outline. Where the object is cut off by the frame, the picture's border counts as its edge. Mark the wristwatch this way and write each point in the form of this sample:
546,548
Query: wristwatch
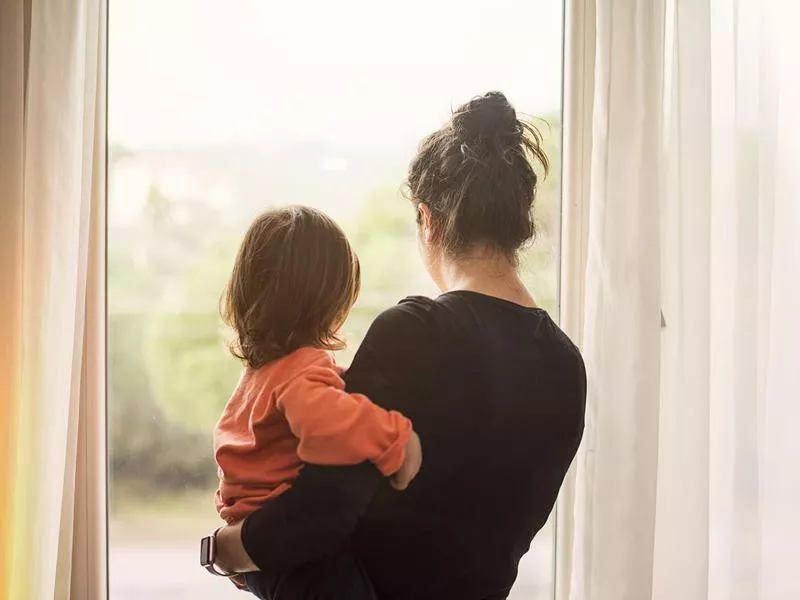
208,555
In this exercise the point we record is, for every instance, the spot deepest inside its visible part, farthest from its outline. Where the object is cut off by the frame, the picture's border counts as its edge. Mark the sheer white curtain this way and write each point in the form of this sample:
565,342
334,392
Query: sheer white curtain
52,180
729,486
617,465
687,484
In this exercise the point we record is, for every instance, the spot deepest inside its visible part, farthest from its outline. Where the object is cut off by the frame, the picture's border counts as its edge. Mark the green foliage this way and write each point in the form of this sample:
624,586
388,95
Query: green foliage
147,450
384,236
386,212
170,373
131,288
539,261
158,208
192,373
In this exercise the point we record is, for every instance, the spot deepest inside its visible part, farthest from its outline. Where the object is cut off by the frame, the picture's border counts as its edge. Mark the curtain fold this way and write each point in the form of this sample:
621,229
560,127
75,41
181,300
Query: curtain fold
683,466
54,194
579,52
687,485
616,466
12,60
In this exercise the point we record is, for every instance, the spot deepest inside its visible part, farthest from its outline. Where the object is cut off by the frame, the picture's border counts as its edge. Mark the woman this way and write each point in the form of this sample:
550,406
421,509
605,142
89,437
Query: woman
494,388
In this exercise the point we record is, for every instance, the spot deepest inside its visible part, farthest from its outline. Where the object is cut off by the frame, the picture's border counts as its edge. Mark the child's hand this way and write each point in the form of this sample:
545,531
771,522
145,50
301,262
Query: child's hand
411,464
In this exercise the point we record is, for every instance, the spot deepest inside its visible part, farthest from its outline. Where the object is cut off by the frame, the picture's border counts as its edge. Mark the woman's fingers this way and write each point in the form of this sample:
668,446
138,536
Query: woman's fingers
239,581
400,481
411,465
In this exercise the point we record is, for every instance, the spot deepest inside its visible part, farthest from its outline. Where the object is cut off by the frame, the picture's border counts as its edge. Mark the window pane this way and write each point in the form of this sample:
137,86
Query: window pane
219,110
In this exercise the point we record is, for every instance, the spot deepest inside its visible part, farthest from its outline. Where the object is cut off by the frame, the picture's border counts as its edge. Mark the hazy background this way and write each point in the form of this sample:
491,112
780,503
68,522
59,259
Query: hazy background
220,110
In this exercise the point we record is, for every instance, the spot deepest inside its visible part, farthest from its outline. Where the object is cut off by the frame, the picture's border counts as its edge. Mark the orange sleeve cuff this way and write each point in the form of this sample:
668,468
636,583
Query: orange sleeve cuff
392,459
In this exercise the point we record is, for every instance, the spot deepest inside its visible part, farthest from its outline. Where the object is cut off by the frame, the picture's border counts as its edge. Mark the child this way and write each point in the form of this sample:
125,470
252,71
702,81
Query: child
293,284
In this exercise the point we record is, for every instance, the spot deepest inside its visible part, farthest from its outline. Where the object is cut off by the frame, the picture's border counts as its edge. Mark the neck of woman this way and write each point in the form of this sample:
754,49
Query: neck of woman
485,272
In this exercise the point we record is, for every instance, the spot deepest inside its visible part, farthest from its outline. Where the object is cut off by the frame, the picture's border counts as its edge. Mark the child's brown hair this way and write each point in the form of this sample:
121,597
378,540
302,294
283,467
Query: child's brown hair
295,279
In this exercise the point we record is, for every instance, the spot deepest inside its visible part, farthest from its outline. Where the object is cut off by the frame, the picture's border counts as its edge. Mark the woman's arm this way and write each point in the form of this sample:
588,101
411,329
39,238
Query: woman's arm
316,517
319,513
313,519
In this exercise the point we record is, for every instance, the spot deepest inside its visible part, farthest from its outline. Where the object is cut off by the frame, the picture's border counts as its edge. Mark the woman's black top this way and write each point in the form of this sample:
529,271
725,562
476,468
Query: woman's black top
496,392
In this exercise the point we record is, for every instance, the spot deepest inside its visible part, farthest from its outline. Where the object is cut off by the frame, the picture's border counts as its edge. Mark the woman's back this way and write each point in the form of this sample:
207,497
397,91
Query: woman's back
498,398
495,390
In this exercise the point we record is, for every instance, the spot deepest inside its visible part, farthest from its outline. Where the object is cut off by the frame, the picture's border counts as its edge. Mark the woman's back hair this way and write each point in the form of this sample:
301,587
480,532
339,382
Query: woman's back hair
476,175
294,281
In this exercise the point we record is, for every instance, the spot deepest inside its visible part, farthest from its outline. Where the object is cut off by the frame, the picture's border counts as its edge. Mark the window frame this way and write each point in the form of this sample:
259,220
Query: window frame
578,37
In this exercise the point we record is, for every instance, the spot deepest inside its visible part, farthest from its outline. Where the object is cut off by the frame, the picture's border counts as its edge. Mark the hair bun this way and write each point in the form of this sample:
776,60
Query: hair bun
486,117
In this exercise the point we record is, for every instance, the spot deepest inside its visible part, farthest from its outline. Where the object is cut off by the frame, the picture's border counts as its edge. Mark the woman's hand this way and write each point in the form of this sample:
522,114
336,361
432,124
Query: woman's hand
231,555
411,465
239,581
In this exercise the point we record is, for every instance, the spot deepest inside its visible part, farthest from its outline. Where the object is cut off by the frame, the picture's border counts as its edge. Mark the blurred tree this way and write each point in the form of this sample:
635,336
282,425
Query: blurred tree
193,375
384,237
158,209
147,452
170,373
539,260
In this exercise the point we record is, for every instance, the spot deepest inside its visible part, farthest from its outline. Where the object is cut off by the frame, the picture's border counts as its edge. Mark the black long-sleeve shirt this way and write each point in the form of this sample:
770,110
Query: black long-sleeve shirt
496,392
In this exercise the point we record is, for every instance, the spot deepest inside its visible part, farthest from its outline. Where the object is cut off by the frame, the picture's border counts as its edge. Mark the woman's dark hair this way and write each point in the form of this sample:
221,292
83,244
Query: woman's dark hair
294,280
476,175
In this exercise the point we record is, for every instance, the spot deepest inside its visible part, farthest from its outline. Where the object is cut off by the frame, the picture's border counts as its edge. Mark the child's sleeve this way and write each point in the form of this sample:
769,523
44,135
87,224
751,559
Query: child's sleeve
337,428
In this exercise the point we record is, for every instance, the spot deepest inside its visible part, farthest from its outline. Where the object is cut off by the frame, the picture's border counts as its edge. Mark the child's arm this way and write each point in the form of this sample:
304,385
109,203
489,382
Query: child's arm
337,428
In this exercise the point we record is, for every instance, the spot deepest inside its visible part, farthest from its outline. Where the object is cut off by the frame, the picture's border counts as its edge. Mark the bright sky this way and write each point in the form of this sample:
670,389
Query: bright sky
199,71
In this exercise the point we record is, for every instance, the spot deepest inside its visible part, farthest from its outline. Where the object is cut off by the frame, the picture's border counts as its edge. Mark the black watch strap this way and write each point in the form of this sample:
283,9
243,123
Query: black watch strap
208,555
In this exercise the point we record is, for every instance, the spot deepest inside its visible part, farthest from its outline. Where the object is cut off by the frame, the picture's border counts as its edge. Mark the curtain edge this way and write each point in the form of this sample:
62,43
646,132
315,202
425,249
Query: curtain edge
579,57
89,549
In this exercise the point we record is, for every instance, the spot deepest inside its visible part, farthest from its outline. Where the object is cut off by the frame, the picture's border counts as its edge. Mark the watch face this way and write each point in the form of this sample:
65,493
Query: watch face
205,552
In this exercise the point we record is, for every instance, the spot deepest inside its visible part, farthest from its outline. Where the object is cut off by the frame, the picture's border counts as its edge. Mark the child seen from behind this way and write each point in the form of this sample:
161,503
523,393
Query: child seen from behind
293,284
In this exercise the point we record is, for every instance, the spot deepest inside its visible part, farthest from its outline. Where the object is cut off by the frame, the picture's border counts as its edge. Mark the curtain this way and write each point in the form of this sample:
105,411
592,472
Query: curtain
617,465
52,180
687,485
579,55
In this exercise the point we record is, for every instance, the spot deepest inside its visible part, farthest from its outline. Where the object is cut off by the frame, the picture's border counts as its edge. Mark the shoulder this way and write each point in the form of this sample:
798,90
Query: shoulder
413,311
309,357
398,336
411,320
289,367
395,353
567,350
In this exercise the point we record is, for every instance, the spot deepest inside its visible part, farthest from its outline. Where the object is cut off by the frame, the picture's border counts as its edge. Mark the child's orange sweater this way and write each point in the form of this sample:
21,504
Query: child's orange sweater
293,411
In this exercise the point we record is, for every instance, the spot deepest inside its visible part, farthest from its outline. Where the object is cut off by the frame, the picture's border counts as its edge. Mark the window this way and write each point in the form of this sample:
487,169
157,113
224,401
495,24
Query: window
219,110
